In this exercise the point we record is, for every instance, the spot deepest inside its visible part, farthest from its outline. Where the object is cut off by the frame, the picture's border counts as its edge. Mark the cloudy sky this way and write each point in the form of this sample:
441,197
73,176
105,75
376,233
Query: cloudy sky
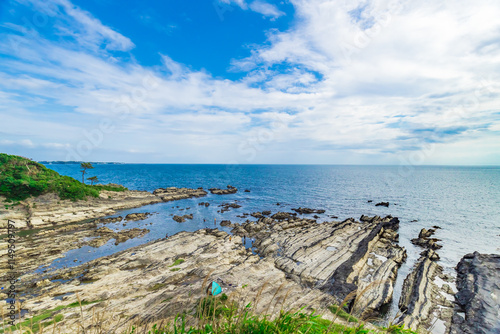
251,81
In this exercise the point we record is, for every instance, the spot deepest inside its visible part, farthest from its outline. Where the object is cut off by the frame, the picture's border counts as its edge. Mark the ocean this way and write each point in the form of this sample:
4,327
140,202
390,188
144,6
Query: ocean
463,201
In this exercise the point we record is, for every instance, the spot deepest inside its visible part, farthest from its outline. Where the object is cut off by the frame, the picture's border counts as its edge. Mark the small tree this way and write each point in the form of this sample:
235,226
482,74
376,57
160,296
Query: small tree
84,166
92,180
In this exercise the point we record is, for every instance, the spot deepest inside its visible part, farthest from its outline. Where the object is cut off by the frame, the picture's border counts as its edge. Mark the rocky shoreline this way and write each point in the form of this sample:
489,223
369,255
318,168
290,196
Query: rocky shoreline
50,210
292,257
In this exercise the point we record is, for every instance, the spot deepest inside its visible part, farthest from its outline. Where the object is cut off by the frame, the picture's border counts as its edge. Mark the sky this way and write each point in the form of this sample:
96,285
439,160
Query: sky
251,81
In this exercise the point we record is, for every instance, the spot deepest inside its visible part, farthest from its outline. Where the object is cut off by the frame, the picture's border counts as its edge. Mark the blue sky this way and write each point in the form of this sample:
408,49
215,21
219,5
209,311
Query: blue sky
251,81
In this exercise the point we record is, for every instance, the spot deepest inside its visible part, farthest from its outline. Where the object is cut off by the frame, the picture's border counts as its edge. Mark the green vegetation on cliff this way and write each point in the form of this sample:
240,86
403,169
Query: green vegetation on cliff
21,178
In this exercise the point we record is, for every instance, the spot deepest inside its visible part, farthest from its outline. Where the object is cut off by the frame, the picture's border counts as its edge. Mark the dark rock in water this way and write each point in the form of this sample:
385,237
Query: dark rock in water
266,213
256,215
334,217
414,221
436,227
316,216
230,190
206,204
247,190
430,243
227,206
425,241
278,203
426,233
137,216
307,211
478,283
179,219
182,219
386,204
369,201
225,223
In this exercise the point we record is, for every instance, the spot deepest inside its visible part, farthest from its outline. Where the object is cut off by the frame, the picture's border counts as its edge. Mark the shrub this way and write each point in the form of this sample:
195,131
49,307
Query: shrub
21,178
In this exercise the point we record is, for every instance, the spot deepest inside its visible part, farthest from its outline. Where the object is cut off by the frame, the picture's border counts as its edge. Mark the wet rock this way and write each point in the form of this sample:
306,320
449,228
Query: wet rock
230,190
182,219
206,204
364,218
426,233
257,214
425,241
109,220
173,193
227,206
430,243
179,219
125,235
225,223
247,190
266,213
386,204
302,211
137,216
478,277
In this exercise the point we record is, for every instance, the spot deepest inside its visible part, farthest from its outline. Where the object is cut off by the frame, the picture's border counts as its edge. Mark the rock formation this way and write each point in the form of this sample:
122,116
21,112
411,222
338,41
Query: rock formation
50,210
478,297
230,190
425,298
302,211
145,284
337,258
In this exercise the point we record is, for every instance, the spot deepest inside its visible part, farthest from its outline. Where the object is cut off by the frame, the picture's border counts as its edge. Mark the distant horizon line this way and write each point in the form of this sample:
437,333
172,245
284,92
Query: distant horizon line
60,162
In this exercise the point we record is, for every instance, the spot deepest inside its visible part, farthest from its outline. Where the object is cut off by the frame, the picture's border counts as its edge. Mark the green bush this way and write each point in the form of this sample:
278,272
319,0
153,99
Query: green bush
21,178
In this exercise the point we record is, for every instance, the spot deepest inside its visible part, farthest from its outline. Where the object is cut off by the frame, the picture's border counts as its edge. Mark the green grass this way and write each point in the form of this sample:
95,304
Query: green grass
339,312
177,262
21,178
225,321
220,315
34,323
175,269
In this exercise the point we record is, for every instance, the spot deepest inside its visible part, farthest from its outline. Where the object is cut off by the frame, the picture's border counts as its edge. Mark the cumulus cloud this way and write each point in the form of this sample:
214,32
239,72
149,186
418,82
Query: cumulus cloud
350,81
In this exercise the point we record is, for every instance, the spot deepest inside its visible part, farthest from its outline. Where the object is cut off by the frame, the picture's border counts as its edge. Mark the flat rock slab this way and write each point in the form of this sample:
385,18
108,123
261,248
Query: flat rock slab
50,210
478,283
162,278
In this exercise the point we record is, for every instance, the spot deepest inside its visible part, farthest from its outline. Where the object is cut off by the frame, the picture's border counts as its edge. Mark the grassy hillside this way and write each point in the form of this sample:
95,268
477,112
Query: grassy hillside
21,178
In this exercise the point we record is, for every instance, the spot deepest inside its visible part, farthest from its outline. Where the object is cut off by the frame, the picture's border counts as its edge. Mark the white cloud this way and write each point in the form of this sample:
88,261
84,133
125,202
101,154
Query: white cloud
364,80
258,6
265,9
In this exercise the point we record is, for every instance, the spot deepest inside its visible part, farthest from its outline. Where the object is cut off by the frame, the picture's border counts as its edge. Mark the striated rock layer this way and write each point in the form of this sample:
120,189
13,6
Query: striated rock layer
337,258
425,298
49,209
478,284
162,278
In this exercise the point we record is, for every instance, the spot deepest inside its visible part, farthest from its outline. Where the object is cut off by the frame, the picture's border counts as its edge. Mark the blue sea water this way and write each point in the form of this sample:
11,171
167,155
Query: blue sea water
463,201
